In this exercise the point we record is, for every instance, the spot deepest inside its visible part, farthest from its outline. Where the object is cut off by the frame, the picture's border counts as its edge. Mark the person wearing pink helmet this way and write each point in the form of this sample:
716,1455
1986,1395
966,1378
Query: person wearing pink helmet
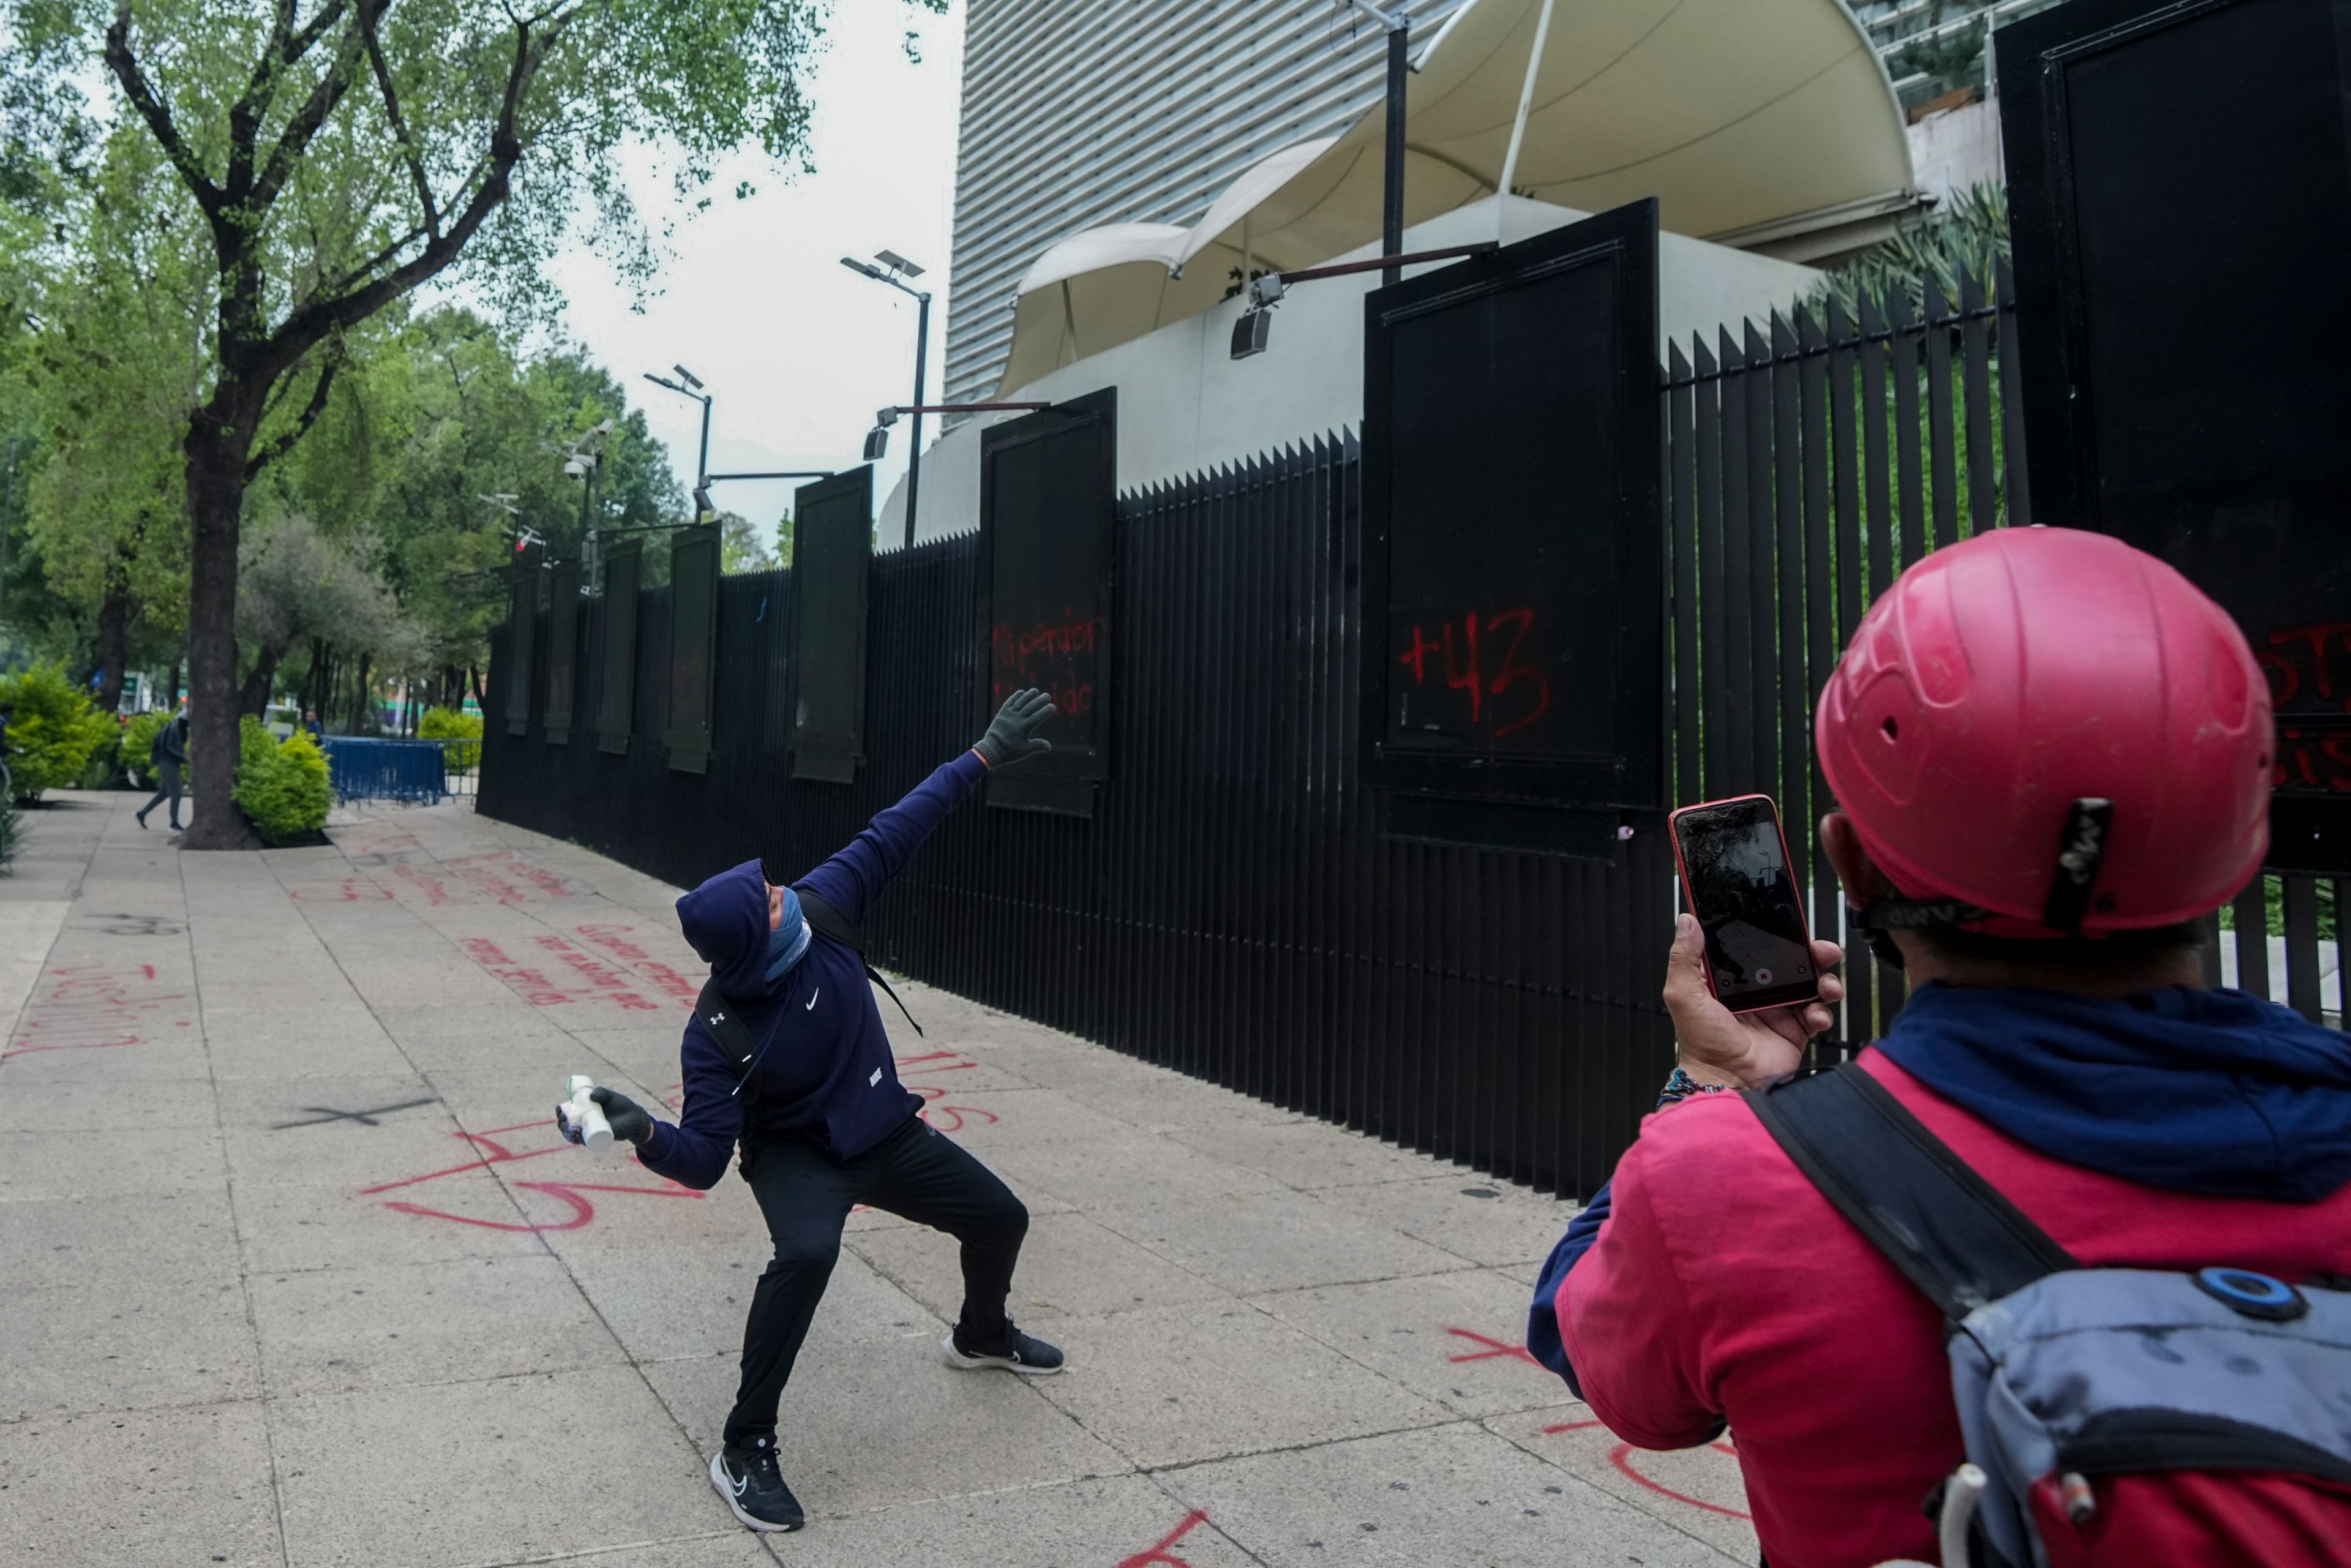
2052,757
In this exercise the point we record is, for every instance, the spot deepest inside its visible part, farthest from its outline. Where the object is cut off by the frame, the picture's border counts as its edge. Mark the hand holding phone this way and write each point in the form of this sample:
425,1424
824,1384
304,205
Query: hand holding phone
1745,983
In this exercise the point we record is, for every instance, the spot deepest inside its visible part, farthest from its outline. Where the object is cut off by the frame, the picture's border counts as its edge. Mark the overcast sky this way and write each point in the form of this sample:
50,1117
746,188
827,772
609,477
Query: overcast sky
799,351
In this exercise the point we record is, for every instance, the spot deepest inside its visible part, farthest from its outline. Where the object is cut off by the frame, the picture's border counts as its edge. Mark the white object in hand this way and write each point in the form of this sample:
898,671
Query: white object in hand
587,1117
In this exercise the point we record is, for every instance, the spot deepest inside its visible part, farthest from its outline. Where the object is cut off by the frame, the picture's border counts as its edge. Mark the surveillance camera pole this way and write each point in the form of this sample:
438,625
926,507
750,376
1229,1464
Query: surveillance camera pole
922,362
702,460
1399,31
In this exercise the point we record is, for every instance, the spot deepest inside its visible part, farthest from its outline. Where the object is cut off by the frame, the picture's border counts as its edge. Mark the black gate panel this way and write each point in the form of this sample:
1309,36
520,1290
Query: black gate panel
1514,553
616,688
562,650
1047,573
2173,162
692,634
832,551
522,620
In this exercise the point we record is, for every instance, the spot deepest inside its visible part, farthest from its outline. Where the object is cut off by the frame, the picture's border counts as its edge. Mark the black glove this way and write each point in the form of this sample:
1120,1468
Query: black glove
630,1124
1012,734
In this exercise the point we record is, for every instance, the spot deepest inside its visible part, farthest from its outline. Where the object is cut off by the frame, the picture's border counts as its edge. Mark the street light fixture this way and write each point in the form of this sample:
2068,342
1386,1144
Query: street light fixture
877,440
690,385
1251,328
897,265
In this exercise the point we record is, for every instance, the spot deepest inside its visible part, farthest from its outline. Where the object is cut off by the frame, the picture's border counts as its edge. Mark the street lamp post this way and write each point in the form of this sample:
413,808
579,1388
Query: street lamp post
691,387
1399,31
898,265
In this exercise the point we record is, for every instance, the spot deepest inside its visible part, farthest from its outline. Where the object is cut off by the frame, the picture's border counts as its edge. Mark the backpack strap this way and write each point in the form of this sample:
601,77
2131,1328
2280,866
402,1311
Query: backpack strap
1948,1229
733,1037
827,921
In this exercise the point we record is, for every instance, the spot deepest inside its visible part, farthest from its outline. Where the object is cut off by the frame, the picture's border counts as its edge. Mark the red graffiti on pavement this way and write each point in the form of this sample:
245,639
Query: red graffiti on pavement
946,1118
349,890
1494,1347
571,1193
615,940
1161,1554
93,1007
1621,1456
591,979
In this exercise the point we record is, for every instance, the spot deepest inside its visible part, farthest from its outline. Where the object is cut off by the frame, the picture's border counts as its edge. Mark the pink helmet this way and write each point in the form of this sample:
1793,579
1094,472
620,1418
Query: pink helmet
2042,732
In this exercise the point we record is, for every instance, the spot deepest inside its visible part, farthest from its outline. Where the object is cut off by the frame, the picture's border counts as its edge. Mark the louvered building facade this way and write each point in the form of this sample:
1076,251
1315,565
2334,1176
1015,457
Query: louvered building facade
1079,112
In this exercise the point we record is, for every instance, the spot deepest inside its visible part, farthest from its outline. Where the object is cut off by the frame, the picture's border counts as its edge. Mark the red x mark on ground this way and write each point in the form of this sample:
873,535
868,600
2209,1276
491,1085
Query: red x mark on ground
1494,1348
1160,1553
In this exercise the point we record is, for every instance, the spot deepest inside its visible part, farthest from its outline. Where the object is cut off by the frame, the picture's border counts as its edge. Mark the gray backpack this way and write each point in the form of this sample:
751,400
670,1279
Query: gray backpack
2084,1395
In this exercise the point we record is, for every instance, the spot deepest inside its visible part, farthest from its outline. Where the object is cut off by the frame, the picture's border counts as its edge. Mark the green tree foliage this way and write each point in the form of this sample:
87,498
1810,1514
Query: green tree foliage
282,787
740,547
449,724
57,727
332,158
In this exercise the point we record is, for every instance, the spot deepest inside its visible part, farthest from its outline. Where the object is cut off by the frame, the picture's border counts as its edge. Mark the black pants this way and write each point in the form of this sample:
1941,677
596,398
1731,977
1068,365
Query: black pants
167,774
806,1194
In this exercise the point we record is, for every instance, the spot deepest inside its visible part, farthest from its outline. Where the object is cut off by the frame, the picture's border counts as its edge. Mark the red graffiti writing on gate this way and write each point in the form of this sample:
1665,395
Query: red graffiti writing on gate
1621,1458
2309,667
95,1007
491,1151
946,1118
1164,1554
1488,661
1057,657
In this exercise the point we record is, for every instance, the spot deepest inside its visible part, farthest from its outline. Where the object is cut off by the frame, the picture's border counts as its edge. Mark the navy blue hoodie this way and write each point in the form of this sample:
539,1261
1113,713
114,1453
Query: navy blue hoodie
822,1069
2210,1091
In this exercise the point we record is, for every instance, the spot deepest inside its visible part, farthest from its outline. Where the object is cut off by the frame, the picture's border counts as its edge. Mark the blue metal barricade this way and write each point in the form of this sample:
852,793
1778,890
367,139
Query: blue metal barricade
364,768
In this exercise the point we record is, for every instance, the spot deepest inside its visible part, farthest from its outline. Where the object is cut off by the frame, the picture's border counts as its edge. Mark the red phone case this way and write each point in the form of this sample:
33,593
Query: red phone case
1682,872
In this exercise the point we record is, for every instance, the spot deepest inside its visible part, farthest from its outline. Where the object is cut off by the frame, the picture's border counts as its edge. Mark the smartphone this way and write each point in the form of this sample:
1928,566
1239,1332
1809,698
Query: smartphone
1736,880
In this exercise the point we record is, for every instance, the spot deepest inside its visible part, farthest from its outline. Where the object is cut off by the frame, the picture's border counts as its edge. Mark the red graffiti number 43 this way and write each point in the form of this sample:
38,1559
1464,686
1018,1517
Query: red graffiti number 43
1486,658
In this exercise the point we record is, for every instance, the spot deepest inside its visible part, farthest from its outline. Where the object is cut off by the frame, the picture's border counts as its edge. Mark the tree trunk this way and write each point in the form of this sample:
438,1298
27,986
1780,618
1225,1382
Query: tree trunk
172,690
113,638
254,698
219,439
365,720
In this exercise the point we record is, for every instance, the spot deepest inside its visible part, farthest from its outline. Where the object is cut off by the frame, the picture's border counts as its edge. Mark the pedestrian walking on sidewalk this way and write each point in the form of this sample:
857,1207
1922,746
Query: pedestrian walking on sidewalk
785,1056
167,752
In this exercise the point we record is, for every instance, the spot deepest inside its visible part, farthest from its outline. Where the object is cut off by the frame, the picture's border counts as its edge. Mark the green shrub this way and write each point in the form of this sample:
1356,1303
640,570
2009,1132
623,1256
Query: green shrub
282,787
448,724
139,746
104,769
57,727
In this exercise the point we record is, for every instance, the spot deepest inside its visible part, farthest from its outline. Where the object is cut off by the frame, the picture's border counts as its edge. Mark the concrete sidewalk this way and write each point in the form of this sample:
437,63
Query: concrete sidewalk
295,1270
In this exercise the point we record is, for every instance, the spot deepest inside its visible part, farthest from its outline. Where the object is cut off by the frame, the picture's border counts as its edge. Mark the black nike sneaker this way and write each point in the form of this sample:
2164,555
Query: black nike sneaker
754,1487
1013,1350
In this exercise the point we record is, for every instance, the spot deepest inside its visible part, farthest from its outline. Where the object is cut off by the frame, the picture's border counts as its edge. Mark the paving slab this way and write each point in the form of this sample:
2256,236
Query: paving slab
298,1270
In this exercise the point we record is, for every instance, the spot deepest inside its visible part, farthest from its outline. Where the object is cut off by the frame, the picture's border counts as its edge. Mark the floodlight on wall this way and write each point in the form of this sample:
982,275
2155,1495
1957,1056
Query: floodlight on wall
1253,326
877,444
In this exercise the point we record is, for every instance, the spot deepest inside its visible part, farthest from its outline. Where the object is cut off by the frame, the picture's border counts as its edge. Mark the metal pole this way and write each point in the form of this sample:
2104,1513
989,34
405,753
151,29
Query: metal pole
915,460
702,463
1392,197
1519,125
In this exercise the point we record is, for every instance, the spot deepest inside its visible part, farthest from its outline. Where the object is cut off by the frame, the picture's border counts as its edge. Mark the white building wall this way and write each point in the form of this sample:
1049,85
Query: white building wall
1186,405
1079,112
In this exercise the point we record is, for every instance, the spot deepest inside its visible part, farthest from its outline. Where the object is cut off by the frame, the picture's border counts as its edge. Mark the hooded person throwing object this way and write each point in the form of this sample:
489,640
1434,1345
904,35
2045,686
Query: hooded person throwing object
817,1107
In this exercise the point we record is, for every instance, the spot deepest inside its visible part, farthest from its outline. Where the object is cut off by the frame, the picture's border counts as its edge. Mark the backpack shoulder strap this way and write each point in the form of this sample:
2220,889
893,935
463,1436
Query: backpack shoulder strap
1948,1230
827,921
733,1037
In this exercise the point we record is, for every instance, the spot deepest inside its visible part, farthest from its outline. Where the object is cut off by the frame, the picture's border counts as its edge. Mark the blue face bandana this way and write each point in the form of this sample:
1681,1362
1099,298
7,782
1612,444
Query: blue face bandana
789,942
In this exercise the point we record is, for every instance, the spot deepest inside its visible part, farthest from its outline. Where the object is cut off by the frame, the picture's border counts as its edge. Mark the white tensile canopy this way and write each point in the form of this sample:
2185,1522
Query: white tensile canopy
1746,118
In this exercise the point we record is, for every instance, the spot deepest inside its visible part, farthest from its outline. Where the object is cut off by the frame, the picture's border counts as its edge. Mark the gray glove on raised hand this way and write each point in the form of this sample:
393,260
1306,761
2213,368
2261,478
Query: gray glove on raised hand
1012,734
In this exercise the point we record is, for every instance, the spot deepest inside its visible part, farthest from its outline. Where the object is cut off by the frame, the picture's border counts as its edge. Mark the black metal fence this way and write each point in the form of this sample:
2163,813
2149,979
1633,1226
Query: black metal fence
1233,909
